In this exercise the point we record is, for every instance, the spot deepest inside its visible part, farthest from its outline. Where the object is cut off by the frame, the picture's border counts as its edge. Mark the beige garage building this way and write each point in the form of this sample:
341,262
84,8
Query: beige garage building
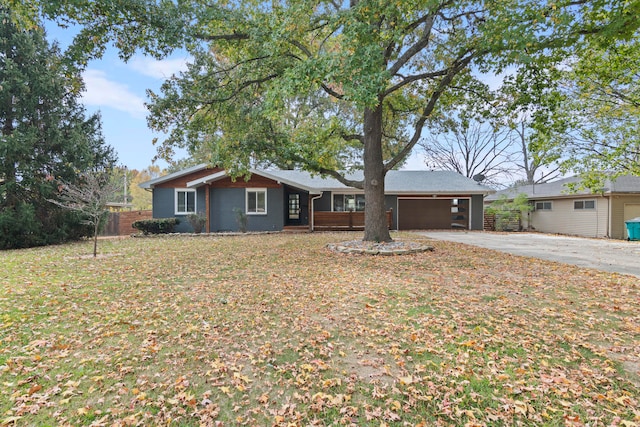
581,213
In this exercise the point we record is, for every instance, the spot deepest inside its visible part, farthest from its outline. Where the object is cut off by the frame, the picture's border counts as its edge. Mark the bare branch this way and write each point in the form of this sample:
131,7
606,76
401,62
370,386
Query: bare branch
89,197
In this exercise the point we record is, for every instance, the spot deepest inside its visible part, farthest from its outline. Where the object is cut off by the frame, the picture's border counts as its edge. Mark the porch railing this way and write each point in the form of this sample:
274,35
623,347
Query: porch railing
343,220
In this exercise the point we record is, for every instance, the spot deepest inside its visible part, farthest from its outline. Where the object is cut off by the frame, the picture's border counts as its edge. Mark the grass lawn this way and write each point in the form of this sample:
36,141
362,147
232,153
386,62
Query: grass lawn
275,330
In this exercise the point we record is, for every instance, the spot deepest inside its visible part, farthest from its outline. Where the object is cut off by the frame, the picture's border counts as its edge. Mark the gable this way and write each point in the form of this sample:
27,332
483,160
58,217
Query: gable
255,181
181,181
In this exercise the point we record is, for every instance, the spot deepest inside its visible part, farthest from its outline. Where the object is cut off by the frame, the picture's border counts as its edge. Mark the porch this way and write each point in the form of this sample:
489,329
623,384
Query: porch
336,221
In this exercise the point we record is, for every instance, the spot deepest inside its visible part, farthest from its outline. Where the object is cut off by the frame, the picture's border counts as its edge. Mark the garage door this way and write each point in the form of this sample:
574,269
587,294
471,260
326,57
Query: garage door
631,211
416,214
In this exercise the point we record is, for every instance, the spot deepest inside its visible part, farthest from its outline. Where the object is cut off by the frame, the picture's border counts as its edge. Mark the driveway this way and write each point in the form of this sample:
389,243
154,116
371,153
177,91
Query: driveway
618,256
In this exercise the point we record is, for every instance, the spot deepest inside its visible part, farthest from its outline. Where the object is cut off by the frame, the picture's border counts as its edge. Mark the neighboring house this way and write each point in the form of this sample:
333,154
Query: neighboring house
581,213
277,199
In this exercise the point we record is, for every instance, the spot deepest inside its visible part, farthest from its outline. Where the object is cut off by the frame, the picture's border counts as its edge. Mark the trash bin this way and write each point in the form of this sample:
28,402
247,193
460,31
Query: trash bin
633,228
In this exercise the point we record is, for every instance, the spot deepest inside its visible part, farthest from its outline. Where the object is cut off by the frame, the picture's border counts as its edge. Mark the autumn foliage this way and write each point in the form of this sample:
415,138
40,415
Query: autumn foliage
276,330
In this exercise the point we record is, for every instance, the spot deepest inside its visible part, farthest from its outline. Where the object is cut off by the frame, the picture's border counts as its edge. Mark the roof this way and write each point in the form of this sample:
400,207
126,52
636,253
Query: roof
560,188
153,182
396,182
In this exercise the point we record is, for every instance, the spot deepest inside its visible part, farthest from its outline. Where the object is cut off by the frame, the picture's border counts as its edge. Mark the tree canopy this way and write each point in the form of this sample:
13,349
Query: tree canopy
328,86
605,88
44,136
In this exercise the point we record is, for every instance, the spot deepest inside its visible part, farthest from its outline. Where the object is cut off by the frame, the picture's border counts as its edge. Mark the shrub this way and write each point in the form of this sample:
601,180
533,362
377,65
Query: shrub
197,221
19,228
241,219
156,225
508,213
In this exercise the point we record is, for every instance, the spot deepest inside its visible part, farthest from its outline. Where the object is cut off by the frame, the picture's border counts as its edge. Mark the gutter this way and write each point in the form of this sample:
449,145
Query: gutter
313,208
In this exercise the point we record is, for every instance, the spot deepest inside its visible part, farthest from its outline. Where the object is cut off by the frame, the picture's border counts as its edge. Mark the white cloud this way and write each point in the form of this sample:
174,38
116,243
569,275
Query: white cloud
102,92
162,69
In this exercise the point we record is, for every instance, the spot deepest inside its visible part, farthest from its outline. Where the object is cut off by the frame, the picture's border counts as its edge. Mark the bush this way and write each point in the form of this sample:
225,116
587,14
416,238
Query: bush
509,213
156,225
28,224
241,219
19,228
197,221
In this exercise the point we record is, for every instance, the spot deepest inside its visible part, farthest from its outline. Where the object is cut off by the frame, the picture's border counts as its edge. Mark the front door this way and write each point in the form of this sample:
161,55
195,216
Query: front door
297,209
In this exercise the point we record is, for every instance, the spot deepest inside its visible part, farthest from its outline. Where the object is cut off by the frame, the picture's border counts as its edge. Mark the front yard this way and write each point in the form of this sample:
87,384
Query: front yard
275,330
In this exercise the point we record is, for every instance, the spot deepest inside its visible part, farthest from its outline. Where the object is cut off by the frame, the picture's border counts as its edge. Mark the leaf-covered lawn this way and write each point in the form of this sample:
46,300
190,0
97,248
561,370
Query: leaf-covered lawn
277,330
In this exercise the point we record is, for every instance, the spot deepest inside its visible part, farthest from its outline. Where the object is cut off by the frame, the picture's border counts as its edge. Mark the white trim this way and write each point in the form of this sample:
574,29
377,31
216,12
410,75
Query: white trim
289,182
153,182
246,200
584,202
207,179
175,200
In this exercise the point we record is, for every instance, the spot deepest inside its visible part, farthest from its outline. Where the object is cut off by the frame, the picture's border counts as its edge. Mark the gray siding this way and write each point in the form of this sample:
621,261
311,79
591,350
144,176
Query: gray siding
163,204
477,212
323,204
224,202
164,207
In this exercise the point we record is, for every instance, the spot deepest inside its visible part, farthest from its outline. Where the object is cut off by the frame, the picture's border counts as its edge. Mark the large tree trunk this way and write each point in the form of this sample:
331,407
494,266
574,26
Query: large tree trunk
376,228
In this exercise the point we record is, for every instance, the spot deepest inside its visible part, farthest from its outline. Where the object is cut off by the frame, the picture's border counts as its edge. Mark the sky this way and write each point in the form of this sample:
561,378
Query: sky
117,90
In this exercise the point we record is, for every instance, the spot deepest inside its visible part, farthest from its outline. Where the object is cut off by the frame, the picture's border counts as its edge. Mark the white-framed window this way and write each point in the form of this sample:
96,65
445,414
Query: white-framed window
544,206
584,204
256,201
348,202
185,201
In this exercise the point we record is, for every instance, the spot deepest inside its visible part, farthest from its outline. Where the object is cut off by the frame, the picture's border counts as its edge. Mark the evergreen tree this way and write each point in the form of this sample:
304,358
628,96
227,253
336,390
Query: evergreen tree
44,136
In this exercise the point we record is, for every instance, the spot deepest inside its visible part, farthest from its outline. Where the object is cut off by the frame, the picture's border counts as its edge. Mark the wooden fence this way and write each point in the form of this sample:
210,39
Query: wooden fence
119,223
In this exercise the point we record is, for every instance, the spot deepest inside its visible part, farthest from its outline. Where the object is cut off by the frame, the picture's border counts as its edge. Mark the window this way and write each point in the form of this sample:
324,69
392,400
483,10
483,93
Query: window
584,204
348,202
543,206
256,201
185,201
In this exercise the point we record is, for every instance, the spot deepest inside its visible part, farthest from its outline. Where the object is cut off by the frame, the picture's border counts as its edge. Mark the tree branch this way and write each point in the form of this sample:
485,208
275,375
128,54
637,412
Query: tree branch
240,87
353,137
413,78
417,47
227,37
458,66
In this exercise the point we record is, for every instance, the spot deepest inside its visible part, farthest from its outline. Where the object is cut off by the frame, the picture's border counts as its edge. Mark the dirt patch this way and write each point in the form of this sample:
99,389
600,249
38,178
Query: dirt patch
373,370
98,256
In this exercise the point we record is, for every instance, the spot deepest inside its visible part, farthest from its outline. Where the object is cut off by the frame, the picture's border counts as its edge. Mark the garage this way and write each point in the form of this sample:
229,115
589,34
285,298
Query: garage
631,211
432,214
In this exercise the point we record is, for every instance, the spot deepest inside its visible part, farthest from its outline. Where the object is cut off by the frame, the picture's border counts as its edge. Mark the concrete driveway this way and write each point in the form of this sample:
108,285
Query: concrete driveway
618,256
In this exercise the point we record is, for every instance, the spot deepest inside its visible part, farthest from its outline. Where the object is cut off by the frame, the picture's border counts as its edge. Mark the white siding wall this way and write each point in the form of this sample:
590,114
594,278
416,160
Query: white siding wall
564,219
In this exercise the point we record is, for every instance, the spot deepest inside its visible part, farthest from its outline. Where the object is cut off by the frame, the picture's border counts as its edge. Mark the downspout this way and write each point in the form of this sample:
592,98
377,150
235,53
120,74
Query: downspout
313,210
